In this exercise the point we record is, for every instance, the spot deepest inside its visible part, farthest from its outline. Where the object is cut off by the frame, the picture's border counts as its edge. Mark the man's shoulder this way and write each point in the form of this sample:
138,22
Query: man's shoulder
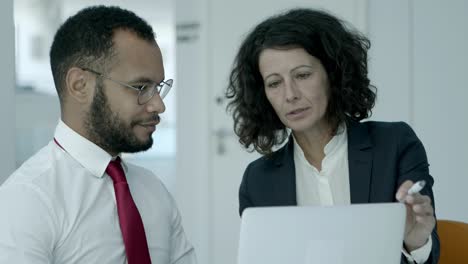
30,184
34,169
143,176
140,171
149,185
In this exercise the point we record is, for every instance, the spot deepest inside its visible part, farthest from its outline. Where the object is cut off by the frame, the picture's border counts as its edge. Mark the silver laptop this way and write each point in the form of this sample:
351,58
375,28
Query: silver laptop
354,234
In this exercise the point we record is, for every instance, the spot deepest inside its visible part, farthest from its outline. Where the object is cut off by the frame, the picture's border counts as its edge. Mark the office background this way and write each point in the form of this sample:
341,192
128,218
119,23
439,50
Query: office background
417,61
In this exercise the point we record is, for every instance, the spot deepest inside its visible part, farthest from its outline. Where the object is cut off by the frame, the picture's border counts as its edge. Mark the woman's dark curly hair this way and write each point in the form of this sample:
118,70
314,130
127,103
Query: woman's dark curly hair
341,50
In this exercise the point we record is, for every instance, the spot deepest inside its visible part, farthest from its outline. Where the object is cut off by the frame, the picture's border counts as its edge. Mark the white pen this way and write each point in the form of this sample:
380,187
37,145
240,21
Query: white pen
417,187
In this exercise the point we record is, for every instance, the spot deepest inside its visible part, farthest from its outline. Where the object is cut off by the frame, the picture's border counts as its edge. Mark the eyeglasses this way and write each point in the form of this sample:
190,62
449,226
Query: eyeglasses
145,91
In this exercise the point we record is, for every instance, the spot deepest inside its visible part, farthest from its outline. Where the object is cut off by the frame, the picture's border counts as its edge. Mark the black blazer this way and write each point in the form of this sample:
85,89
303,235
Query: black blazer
381,156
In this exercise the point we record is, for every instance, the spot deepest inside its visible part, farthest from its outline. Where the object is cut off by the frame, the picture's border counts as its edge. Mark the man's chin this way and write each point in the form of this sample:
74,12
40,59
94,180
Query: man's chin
140,147
147,146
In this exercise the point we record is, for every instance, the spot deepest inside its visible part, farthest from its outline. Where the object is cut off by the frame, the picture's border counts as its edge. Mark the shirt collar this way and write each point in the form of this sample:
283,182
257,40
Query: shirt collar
337,141
331,147
85,152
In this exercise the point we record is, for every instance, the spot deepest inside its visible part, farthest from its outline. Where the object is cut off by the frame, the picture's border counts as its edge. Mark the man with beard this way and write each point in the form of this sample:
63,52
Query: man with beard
76,200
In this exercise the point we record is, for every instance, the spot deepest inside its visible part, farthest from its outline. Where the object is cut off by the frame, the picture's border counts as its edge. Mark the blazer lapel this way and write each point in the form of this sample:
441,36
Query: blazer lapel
360,162
285,176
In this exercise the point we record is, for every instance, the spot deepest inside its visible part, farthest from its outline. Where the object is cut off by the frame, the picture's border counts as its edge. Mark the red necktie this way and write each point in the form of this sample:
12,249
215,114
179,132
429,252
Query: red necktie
131,225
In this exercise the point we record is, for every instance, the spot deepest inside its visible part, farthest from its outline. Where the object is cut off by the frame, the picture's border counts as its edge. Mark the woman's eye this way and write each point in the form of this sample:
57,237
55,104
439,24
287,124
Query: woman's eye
303,75
273,84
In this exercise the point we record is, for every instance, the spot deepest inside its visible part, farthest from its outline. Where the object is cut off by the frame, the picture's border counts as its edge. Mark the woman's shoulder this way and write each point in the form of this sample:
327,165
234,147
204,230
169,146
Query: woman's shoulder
385,124
381,132
385,127
274,159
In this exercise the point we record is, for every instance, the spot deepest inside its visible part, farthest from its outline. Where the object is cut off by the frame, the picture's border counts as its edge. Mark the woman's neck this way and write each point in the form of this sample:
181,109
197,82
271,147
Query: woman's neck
313,142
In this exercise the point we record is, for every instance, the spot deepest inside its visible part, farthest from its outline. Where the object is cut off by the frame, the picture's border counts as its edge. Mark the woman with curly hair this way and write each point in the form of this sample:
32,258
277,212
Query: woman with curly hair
298,93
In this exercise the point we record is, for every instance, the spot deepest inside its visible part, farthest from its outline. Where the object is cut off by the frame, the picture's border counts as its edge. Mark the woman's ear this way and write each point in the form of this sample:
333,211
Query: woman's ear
79,85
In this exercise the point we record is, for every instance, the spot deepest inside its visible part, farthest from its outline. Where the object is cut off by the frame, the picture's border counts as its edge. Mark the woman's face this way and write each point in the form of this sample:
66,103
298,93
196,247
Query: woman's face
296,85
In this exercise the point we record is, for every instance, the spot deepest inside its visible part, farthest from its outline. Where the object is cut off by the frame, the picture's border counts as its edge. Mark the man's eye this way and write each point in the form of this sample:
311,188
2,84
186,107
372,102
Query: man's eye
140,86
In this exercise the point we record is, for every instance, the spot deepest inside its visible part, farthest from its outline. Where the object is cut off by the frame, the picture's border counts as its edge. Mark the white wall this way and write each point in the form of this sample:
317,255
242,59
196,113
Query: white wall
36,118
193,180
390,59
440,102
7,76
418,62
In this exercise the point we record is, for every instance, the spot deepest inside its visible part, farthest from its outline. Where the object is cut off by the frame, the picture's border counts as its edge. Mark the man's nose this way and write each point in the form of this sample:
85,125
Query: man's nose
156,104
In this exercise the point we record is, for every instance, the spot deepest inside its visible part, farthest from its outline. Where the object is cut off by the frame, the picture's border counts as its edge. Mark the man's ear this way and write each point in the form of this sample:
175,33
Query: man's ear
79,85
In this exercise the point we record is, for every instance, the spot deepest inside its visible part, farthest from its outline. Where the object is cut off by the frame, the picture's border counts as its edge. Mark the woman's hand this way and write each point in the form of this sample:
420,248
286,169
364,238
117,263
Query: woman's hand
420,220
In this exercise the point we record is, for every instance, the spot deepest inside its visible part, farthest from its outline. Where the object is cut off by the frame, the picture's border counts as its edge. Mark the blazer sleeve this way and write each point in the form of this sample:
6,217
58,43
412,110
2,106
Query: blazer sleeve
244,197
413,165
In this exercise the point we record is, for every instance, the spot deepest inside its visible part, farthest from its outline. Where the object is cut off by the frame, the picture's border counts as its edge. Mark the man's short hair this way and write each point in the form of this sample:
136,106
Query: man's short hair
86,40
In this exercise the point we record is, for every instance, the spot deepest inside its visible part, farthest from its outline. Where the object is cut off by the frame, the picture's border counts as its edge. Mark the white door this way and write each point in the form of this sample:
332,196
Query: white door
229,22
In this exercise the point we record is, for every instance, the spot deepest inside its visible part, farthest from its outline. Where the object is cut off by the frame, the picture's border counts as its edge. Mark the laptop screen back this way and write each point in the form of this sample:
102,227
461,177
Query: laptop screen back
363,233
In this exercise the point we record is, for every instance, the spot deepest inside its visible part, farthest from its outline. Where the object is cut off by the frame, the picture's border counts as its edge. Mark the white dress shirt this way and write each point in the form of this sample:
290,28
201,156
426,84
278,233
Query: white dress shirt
330,186
60,207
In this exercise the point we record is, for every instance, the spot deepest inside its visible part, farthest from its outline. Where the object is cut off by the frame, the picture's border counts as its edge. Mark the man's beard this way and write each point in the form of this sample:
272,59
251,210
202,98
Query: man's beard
107,130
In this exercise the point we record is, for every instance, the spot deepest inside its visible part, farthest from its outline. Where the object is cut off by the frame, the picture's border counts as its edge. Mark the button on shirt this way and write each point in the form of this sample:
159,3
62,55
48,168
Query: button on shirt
60,207
330,186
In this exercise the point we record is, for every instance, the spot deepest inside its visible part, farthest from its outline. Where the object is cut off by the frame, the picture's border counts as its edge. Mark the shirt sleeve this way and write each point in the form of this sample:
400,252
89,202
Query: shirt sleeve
182,251
26,226
420,255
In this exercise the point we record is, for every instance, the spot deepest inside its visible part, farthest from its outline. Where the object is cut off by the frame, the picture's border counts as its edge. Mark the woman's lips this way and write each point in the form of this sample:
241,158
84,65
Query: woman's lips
297,113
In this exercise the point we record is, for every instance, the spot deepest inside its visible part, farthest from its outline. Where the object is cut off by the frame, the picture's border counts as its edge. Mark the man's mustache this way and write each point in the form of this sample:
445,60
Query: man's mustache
154,118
